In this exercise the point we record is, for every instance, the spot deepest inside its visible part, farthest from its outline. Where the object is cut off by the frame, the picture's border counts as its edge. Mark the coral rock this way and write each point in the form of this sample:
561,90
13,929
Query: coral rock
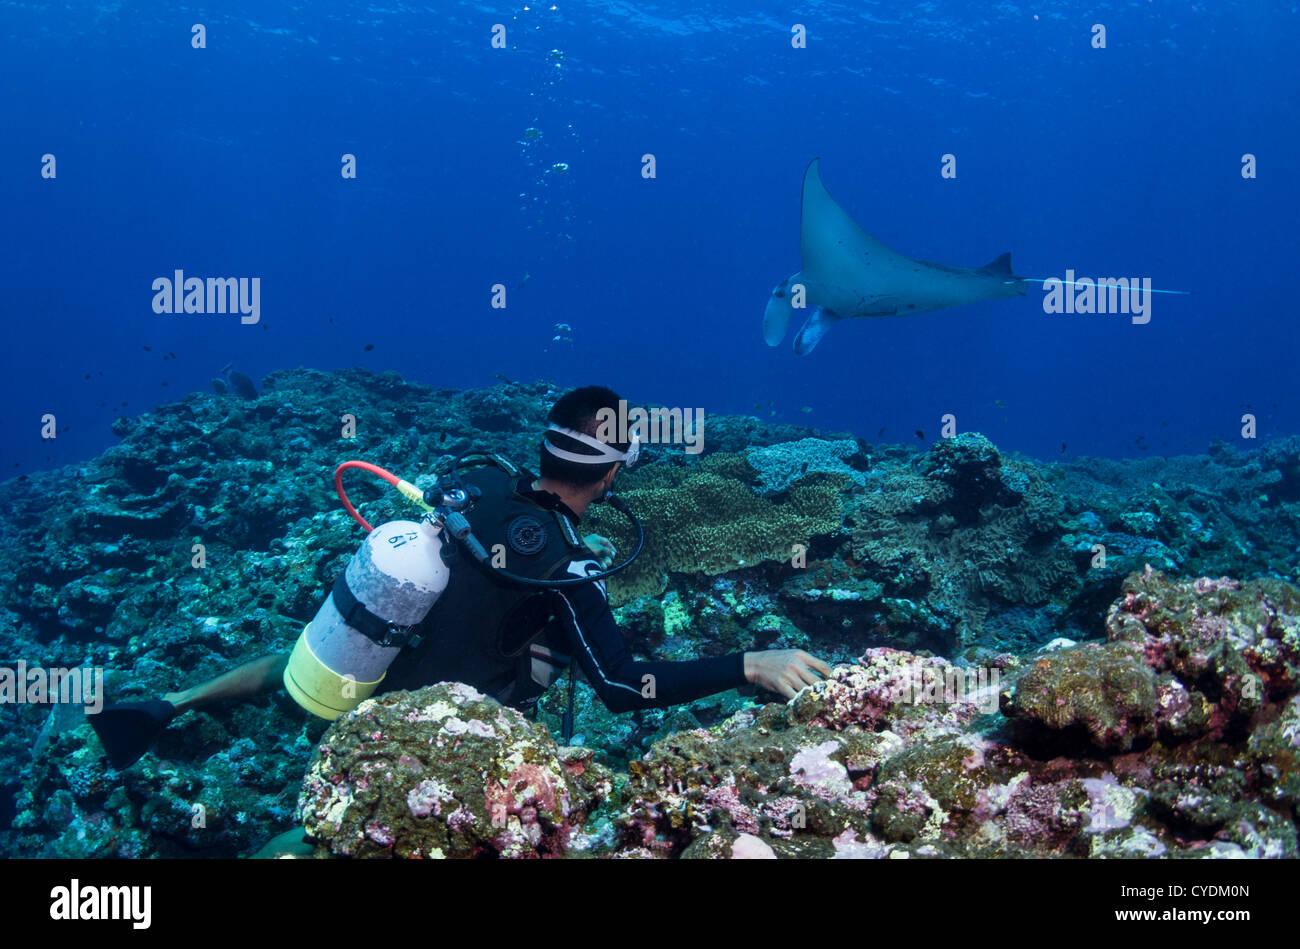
445,771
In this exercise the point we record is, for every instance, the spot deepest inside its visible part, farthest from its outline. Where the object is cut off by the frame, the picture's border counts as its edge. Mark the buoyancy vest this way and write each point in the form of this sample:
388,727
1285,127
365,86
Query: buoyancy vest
484,629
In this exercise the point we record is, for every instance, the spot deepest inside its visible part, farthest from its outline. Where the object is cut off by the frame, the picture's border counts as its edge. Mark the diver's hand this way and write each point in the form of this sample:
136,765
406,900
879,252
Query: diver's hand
602,548
784,671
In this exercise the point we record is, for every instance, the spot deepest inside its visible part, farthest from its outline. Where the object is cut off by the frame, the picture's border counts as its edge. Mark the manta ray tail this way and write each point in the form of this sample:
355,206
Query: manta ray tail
817,326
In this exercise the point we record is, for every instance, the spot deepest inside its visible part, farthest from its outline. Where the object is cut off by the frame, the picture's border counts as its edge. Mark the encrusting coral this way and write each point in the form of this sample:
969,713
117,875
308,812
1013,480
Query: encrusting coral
1142,714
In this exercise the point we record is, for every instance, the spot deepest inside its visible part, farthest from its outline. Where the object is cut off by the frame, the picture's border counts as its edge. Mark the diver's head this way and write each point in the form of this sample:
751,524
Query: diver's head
573,454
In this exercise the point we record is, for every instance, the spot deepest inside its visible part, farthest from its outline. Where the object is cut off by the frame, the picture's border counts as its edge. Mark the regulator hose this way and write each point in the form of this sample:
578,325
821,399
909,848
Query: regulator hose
458,527
617,504
408,490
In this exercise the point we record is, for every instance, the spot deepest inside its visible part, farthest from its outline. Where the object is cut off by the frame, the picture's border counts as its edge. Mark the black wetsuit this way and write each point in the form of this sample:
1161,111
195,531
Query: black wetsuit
511,641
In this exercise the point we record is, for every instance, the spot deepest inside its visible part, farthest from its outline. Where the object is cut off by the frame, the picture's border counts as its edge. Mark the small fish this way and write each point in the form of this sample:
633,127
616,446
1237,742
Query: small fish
522,280
806,409
1063,447
148,350
999,403
920,434
881,432
369,346
171,354
87,375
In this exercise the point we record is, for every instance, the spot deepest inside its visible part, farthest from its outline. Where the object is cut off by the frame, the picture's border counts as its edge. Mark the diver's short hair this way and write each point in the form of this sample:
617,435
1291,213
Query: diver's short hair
579,411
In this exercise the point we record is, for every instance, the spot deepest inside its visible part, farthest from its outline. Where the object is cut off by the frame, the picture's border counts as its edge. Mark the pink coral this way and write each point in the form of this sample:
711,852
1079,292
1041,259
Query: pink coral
727,798
749,847
379,834
891,688
815,769
787,814
1206,585
848,847
426,798
1037,815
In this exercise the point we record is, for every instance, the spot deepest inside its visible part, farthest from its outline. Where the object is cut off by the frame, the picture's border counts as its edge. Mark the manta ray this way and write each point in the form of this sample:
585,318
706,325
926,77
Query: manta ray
848,274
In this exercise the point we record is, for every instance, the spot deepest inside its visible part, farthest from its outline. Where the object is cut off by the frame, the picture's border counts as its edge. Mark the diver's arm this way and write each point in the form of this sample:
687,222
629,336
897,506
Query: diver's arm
252,678
622,683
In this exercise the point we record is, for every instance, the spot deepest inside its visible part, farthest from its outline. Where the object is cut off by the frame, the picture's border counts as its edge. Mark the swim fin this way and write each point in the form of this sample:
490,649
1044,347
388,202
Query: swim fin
128,730
292,843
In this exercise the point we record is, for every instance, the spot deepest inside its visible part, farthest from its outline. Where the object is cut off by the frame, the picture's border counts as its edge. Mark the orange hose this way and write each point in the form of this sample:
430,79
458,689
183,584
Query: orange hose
364,466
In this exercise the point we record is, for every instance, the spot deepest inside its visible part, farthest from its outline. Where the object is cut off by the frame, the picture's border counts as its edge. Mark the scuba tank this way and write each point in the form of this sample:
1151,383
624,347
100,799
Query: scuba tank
388,588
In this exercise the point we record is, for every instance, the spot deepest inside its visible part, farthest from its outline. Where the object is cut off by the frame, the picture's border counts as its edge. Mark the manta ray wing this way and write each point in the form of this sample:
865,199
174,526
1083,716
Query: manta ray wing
844,267
848,274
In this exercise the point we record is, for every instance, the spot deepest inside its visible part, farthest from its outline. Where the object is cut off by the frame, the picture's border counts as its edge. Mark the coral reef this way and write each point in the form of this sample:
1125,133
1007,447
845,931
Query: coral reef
1142,714
706,520
779,466
874,762
897,755
447,772
1184,661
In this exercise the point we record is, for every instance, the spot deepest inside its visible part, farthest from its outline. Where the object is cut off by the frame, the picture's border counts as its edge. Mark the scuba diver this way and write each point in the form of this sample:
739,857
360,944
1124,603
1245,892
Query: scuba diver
492,587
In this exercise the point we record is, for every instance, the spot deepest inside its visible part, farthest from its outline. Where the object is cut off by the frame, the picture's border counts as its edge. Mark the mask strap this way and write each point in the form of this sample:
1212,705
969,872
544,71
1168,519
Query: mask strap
607,454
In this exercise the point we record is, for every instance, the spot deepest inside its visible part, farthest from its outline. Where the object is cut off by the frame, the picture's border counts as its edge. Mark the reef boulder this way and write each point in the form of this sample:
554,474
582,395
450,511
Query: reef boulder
1183,660
445,771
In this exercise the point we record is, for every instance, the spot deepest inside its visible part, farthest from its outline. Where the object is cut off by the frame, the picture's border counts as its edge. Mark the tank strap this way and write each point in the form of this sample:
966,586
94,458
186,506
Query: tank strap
375,628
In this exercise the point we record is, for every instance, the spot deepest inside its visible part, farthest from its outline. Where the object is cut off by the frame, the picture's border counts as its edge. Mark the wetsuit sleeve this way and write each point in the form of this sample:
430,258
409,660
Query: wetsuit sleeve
595,642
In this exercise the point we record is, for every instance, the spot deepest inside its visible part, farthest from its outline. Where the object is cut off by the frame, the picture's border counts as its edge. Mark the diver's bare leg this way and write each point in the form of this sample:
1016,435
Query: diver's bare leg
252,678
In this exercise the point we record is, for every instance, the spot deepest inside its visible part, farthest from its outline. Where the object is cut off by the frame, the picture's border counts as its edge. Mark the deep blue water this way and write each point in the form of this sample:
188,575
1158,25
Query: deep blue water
224,161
